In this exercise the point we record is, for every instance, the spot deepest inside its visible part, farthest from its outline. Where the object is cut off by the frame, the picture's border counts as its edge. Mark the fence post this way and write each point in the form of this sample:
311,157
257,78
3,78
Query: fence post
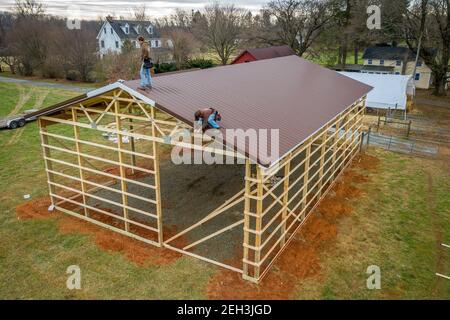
409,128
368,137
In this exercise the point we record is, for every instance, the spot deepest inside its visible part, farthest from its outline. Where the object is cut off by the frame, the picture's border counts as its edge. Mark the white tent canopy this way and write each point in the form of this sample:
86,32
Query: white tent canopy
390,91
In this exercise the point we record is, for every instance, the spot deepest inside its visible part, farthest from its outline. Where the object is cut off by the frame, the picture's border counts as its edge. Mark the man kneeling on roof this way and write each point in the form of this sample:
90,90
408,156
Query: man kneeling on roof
207,119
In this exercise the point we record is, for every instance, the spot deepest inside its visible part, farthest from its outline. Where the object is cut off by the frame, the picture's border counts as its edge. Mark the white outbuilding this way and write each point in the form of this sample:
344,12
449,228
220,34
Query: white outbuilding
390,91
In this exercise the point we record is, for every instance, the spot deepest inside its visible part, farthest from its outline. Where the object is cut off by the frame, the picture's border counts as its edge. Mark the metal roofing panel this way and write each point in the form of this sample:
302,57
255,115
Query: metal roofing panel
291,94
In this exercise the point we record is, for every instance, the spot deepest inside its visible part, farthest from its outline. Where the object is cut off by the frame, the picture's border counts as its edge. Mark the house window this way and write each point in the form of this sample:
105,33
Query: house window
419,63
104,30
127,30
150,29
156,43
102,43
111,30
397,73
117,44
417,77
399,63
381,62
370,61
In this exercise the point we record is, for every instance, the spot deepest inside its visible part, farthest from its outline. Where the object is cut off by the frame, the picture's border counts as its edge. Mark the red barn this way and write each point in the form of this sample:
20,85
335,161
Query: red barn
255,54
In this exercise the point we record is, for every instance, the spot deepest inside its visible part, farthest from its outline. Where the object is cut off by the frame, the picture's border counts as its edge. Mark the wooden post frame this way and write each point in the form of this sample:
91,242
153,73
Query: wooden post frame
277,201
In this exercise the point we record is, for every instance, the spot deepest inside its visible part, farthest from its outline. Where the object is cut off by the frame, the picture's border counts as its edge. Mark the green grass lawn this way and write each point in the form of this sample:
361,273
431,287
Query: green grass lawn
394,226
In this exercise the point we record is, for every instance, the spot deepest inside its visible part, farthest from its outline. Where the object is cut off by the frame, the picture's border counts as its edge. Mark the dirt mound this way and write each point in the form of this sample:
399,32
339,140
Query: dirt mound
34,209
301,258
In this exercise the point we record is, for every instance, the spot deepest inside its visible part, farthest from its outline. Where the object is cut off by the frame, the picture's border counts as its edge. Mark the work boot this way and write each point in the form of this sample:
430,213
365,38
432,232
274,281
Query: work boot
142,88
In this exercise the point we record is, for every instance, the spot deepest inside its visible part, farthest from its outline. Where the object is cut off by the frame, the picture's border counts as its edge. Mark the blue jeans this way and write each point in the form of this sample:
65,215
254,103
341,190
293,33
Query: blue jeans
146,78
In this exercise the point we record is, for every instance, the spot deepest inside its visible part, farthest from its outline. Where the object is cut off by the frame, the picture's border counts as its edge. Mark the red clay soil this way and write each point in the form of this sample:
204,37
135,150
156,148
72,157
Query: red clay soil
35,209
133,250
301,259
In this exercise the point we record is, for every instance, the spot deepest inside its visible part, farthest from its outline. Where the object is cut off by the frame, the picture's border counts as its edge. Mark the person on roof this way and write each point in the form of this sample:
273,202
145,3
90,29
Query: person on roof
147,64
208,118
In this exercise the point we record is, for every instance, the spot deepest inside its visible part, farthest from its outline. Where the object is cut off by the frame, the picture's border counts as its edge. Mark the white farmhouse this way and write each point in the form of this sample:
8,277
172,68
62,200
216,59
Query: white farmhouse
385,59
114,33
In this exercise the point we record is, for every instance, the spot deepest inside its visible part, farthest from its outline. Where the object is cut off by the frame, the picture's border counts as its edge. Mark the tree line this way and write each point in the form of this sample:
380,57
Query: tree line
330,31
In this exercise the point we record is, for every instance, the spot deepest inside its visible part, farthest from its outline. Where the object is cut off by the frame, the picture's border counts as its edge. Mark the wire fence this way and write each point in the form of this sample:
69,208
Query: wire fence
401,145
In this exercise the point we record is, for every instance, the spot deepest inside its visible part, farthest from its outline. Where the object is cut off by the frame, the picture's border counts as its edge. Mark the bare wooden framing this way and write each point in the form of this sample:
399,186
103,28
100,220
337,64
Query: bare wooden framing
273,212
331,149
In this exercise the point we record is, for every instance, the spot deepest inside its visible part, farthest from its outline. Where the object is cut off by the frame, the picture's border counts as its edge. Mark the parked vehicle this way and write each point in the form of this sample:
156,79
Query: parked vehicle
18,120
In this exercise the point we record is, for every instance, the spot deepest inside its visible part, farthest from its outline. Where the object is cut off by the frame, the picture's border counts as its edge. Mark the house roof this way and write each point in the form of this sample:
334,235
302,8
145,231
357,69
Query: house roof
298,98
349,67
390,91
143,25
291,94
389,53
378,68
268,53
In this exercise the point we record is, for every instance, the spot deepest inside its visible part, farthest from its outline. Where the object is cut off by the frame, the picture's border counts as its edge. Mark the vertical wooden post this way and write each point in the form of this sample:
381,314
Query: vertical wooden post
76,131
287,170
47,163
247,208
336,146
322,161
121,167
306,178
157,180
258,222
132,146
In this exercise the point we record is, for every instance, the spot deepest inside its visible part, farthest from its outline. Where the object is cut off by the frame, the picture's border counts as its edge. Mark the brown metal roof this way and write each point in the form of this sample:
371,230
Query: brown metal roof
268,52
291,94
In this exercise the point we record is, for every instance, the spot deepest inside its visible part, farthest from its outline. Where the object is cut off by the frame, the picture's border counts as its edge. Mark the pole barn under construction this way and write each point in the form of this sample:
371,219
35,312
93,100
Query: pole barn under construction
106,158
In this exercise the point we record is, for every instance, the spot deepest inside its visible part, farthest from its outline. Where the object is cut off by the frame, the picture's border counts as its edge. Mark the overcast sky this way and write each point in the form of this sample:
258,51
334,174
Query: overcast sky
159,8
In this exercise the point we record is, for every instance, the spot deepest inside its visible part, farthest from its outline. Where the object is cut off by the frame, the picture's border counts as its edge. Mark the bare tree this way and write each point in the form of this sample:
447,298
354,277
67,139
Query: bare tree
220,28
78,50
427,27
28,42
183,44
29,8
296,23
140,13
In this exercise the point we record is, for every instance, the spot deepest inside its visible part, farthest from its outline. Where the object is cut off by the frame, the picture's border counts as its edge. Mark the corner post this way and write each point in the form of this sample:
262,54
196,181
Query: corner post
157,178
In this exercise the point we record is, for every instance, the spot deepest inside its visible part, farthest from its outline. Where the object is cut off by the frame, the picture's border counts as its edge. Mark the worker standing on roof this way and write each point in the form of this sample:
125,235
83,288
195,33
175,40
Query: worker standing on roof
147,64
207,119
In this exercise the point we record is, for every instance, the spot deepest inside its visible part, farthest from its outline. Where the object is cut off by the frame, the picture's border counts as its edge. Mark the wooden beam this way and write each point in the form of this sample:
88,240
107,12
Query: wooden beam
122,170
47,154
287,170
247,208
76,131
157,180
